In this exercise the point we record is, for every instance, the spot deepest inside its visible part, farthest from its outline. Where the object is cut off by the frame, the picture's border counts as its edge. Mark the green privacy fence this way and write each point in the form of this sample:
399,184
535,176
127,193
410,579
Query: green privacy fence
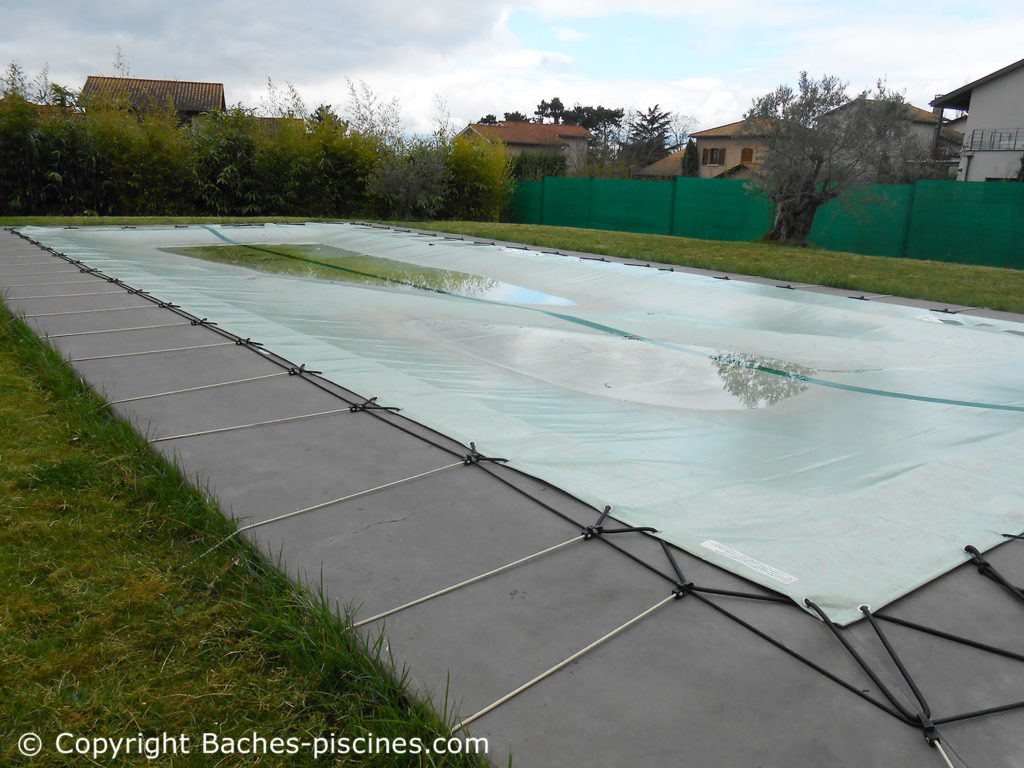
686,207
967,223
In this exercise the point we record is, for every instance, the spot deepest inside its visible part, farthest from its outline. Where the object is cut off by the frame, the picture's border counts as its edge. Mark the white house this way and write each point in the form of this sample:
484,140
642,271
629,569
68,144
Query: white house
994,134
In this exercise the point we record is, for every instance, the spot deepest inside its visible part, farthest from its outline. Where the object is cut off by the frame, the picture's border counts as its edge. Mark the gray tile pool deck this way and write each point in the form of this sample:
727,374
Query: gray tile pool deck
695,683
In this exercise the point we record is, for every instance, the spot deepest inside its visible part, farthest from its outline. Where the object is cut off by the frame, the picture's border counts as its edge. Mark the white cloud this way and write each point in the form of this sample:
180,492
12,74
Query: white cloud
569,35
465,50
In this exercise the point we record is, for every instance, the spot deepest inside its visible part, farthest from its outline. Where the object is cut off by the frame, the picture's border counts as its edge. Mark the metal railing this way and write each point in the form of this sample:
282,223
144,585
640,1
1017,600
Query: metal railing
994,139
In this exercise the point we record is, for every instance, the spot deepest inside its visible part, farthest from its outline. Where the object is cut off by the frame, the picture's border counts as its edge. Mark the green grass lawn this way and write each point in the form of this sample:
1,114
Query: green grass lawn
939,281
113,625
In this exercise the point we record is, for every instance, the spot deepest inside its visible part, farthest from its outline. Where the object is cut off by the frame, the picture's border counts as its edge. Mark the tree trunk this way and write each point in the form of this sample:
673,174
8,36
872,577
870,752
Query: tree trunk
793,220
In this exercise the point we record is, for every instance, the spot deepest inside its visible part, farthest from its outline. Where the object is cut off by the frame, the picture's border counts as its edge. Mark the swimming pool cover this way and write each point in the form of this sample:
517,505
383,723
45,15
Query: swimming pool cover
838,450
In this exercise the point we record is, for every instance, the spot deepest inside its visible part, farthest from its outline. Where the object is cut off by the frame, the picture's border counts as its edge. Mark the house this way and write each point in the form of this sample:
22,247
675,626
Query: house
929,141
188,99
994,135
537,138
727,152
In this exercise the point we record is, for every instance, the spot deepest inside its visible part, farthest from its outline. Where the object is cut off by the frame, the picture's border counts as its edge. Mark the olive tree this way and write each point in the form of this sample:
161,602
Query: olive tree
817,142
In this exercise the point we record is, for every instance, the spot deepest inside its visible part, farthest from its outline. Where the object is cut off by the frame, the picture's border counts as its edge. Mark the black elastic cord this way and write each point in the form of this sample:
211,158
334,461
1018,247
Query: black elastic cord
979,713
985,568
598,529
475,457
930,734
798,656
949,636
904,714
371,404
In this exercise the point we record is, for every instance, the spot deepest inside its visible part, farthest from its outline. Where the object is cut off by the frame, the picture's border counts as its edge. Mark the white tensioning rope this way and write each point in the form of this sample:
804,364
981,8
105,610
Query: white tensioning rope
462,725
247,426
66,295
112,330
48,272
153,352
195,389
86,311
40,285
467,582
323,504
938,746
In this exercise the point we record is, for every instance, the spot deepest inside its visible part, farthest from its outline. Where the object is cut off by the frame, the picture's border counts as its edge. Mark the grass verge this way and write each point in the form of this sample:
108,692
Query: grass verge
110,626
934,280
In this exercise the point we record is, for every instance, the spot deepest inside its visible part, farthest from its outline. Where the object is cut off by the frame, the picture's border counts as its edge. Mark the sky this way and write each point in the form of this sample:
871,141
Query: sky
468,58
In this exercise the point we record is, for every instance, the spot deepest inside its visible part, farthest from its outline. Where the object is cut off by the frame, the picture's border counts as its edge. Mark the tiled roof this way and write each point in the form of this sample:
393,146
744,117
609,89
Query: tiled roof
540,134
667,166
184,95
722,131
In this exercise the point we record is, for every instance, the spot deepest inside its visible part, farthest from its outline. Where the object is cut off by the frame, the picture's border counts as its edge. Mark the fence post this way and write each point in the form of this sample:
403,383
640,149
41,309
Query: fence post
588,221
543,184
672,206
908,220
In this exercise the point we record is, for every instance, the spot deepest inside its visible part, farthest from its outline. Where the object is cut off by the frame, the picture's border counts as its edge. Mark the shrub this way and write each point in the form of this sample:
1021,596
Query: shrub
477,174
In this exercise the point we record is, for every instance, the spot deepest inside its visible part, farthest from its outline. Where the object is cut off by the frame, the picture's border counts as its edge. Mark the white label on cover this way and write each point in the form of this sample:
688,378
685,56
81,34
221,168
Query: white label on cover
756,565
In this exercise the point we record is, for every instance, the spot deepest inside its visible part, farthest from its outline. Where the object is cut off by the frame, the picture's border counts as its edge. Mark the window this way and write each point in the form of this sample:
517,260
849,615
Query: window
747,155
717,156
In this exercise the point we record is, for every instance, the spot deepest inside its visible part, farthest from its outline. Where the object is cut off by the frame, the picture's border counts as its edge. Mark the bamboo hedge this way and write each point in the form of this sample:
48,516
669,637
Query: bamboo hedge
108,160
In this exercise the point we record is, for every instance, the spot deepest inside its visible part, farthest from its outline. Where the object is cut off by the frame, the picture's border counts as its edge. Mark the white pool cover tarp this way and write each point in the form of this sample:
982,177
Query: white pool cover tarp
843,451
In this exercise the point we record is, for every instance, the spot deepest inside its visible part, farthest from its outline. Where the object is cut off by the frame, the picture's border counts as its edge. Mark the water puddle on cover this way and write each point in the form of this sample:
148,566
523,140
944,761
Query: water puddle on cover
324,262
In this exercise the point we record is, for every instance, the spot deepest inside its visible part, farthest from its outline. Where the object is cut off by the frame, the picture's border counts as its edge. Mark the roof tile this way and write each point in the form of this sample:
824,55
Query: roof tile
186,96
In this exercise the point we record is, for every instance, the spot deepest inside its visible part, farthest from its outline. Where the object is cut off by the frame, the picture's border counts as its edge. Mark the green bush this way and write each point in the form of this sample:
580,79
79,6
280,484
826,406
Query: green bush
534,166
103,158
477,174
224,148
410,183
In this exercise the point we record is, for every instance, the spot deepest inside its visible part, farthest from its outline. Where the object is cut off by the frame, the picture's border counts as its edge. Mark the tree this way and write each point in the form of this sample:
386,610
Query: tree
553,109
516,117
818,143
649,137
488,120
410,183
691,163
325,115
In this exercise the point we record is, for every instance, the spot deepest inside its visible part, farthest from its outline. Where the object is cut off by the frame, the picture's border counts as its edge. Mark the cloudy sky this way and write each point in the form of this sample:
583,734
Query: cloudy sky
703,59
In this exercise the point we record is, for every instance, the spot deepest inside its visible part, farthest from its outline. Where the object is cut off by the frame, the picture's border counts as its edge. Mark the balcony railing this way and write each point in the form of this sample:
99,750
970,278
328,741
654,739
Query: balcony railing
992,139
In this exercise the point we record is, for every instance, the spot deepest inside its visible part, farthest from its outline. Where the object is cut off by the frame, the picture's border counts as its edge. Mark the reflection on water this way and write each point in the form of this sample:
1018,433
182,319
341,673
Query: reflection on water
337,264
759,382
